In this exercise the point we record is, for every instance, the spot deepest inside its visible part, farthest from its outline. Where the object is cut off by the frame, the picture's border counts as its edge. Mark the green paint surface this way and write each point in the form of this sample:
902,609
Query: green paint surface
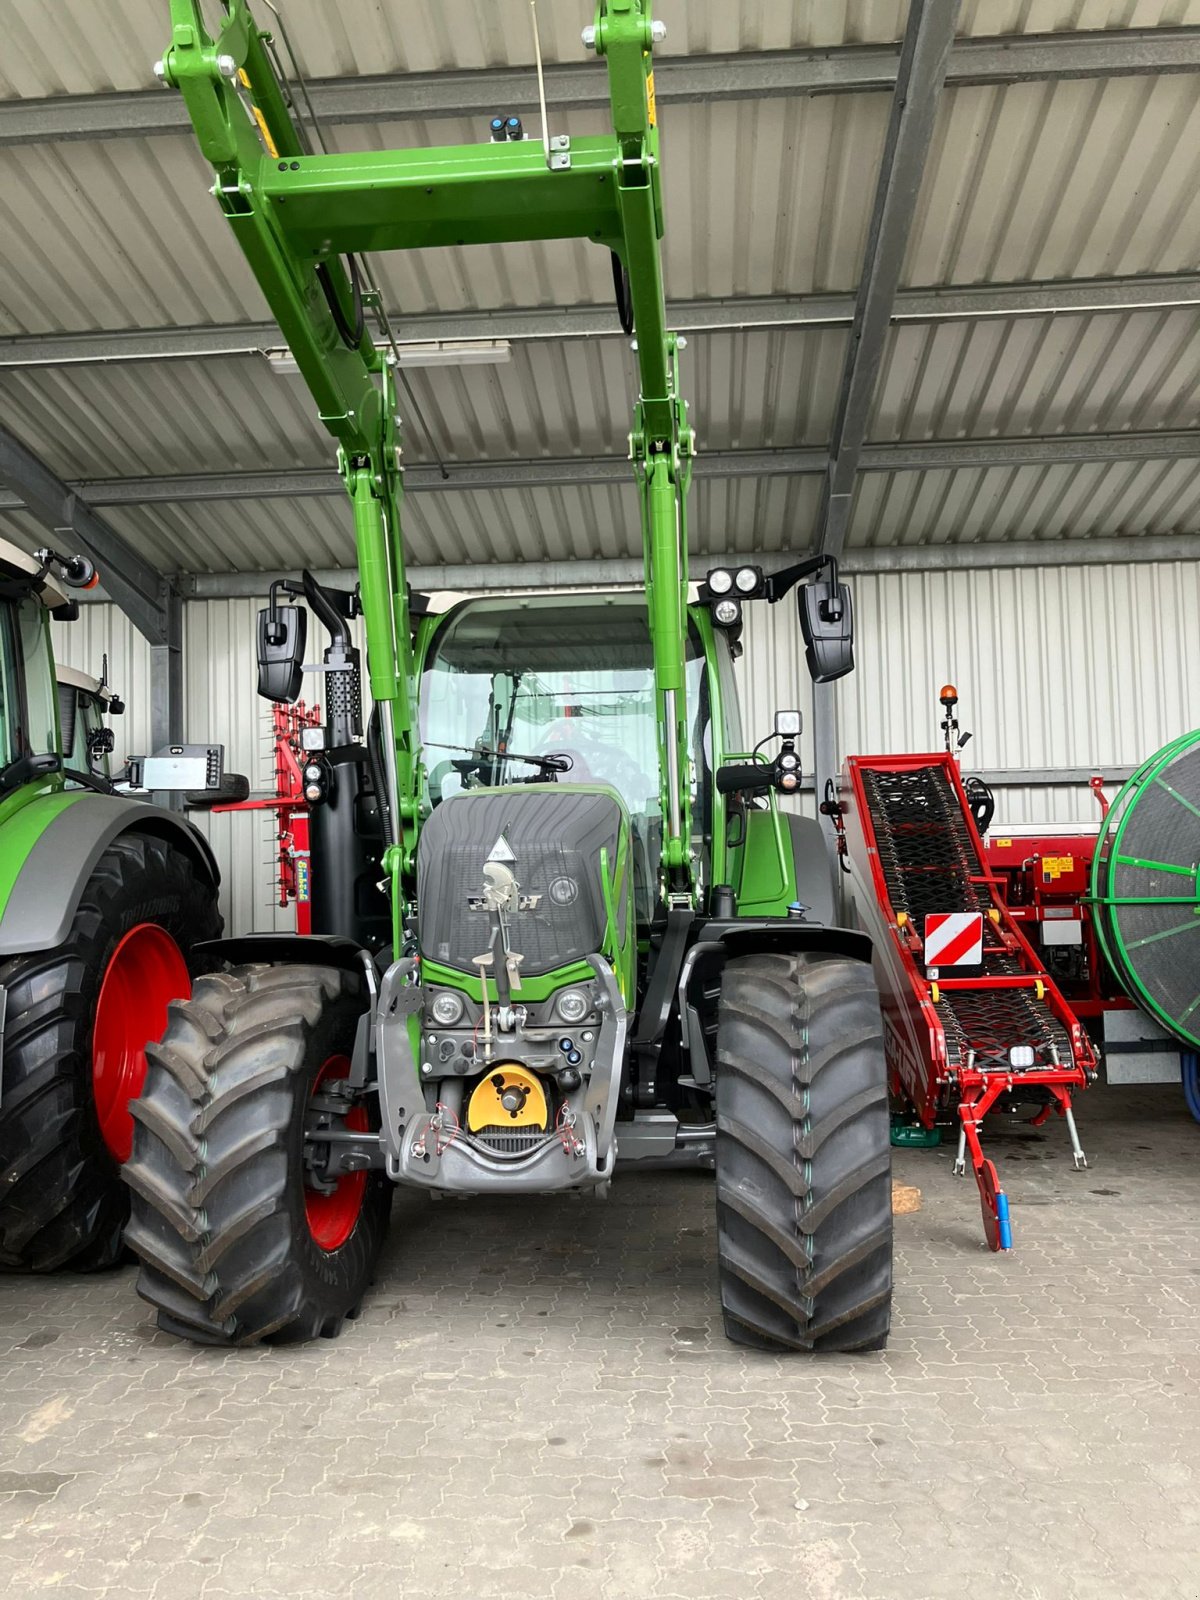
24,817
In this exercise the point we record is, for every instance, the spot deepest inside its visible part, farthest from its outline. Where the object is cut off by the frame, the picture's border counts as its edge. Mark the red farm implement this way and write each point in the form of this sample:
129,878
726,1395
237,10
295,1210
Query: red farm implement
981,1025
290,808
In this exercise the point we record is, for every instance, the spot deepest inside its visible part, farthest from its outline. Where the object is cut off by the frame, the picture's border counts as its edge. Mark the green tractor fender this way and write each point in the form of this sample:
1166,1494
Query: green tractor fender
54,855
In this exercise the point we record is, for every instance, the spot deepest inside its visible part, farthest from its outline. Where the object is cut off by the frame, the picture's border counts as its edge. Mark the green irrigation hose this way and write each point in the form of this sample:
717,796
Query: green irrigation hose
1146,887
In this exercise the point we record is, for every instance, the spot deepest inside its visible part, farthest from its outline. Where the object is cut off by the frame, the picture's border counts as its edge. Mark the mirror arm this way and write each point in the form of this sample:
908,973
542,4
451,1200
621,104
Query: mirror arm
778,584
275,631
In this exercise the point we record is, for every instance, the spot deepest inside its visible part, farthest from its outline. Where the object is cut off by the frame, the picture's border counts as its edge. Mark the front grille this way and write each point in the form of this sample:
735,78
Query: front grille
503,1141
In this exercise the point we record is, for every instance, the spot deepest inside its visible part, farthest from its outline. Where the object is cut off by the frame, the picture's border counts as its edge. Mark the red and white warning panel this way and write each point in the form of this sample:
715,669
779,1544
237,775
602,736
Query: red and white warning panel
954,939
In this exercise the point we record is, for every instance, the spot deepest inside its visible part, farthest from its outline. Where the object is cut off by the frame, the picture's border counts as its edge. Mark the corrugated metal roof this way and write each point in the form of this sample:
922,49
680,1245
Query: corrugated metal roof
1002,376
1044,180
1029,181
450,527
112,46
549,399
1087,500
998,377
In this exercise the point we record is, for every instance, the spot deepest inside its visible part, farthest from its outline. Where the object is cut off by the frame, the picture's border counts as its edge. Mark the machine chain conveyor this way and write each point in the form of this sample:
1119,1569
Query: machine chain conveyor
981,1025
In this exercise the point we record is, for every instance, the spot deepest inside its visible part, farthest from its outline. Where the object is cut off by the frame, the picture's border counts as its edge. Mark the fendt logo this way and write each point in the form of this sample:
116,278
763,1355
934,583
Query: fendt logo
526,902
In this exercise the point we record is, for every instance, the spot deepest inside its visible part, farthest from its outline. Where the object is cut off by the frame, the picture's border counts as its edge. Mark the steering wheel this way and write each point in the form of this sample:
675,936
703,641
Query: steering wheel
596,762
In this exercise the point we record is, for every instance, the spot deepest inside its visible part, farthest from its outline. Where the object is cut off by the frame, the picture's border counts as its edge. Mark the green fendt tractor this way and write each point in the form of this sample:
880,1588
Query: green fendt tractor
561,922
102,899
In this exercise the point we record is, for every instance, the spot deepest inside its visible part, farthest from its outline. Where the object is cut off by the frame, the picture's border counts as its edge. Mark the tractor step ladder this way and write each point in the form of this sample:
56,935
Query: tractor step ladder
982,1022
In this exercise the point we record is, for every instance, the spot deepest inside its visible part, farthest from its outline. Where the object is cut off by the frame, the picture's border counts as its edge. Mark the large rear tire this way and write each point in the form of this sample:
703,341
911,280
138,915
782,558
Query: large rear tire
804,1205
78,1019
236,1244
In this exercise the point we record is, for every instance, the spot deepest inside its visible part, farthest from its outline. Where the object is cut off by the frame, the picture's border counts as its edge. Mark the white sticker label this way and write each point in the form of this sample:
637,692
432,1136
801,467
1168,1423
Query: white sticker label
500,851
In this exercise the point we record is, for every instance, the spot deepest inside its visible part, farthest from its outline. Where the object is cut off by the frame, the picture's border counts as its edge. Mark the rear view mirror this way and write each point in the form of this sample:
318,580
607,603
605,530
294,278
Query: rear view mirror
282,636
827,623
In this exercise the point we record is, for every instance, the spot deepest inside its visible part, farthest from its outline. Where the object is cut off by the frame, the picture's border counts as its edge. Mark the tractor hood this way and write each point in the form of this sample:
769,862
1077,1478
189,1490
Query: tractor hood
550,836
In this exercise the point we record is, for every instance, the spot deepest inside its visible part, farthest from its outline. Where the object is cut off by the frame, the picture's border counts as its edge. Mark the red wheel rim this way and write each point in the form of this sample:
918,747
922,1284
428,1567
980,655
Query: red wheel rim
332,1217
144,974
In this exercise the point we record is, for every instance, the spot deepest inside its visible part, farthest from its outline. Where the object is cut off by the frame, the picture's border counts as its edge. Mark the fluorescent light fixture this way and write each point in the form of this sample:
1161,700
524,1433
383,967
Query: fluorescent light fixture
432,353
456,353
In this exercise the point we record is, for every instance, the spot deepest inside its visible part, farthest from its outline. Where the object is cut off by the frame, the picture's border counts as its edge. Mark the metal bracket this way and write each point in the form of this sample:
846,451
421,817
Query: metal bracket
399,1085
604,1090
560,152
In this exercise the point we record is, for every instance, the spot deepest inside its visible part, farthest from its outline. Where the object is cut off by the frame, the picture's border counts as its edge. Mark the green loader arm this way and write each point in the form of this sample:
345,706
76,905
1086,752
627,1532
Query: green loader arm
301,218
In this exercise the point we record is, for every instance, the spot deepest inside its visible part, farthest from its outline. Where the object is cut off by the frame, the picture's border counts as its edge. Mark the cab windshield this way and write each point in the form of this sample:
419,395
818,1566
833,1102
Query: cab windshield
554,676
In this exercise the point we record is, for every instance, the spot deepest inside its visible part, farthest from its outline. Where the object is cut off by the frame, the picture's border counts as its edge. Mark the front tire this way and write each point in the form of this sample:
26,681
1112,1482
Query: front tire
804,1206
236,1245
78,1019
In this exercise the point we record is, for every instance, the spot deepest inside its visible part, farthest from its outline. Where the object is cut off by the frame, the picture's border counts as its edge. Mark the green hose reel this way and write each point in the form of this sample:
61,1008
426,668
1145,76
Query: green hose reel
1146,887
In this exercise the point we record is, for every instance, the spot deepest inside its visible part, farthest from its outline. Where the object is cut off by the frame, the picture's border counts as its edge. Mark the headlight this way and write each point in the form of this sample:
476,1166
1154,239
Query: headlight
313,772
572,1005
447,1008
747,580
726,612
720,581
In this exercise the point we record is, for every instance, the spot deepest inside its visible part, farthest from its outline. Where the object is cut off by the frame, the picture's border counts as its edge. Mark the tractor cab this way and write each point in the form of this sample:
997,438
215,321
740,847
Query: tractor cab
84,705
557,689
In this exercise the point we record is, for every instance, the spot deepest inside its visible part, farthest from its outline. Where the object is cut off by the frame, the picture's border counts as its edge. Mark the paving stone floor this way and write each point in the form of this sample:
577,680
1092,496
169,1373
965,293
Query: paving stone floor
538,1402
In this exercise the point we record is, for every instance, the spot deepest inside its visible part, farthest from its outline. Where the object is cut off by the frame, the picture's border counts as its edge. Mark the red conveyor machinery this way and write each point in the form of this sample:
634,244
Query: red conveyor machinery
965,1038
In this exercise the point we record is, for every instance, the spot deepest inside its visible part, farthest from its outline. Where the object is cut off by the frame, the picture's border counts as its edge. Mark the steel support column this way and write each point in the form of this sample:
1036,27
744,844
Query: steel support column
166,678
826,765
923,57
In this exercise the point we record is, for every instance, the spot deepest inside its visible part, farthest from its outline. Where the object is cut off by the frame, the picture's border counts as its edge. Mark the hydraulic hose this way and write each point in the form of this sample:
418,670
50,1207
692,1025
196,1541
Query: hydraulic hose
379,778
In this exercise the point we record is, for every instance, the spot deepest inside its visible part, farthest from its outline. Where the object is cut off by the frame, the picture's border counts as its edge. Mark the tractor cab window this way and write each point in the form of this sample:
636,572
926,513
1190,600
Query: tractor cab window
10,700
27,692
552,676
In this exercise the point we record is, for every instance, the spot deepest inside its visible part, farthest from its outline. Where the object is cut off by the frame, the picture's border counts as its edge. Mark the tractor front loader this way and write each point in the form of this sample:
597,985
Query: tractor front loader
103,899
561,922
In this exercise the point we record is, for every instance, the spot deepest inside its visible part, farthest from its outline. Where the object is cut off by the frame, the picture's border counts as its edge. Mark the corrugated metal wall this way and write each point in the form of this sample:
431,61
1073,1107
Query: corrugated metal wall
1056,667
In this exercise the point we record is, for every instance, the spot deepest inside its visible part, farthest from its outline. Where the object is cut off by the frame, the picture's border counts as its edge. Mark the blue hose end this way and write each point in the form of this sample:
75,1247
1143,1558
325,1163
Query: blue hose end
1190,1070
1003,1225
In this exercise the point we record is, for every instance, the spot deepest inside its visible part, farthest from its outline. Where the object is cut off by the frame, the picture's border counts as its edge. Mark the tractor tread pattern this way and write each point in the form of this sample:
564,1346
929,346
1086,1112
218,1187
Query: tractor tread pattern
62,1203
804,1215
218,1221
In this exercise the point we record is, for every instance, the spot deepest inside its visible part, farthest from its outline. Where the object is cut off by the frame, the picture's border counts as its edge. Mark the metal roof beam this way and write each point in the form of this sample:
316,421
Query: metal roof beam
630,571
137,588
923,455
923,59
966,302
855,69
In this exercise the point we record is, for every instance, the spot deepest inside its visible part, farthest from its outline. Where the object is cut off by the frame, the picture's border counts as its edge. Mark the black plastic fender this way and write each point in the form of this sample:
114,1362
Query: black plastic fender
45,897
719,939
281,949
742,936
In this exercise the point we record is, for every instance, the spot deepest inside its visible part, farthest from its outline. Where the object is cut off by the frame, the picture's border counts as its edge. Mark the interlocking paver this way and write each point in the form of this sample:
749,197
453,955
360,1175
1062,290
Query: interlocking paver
538,1402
